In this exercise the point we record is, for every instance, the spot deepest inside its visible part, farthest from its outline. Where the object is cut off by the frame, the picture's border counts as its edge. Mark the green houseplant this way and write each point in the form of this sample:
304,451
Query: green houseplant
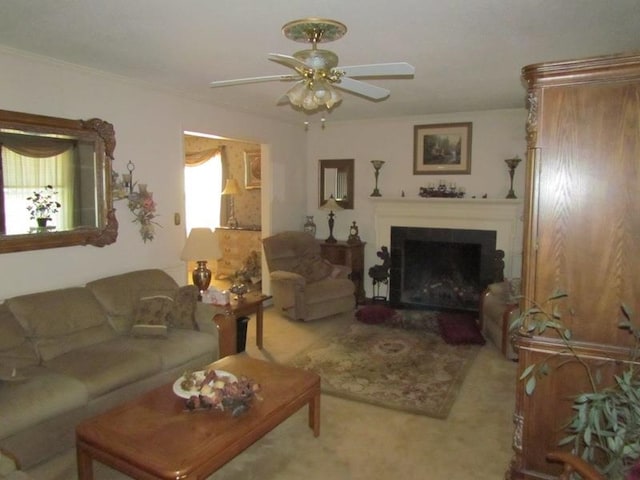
604,429
42,205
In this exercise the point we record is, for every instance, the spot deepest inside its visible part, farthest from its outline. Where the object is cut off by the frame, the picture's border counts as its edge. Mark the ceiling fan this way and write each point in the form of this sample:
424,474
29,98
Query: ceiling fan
317,73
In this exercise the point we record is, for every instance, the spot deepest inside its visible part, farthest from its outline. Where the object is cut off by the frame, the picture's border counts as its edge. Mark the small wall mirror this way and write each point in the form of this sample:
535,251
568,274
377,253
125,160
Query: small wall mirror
70,160
336,178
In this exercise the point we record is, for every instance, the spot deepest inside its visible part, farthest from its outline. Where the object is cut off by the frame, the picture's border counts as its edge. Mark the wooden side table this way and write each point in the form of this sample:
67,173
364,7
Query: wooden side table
350,255
252,302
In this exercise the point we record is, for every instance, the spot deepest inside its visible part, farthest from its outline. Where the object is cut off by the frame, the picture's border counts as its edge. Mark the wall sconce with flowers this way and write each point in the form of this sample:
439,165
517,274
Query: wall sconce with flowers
140,202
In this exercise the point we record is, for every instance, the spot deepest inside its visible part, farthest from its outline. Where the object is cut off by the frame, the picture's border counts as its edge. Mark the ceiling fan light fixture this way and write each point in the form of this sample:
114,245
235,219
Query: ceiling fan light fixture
321,90
297,93
334,99
317,71
310,101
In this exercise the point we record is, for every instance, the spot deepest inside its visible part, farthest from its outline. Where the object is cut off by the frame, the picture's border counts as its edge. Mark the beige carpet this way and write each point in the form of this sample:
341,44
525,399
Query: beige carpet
360,441
412,370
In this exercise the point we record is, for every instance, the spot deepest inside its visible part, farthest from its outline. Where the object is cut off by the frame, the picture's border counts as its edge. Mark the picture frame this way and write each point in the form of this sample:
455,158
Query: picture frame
252,165
442,149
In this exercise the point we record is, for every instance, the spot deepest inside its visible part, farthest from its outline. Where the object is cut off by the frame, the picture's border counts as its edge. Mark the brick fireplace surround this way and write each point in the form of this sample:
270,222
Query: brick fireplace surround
502,216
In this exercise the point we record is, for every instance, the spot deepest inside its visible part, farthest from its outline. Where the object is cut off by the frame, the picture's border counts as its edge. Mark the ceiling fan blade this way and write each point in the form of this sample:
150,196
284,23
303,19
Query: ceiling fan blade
289,61
362,88
241,81
379,70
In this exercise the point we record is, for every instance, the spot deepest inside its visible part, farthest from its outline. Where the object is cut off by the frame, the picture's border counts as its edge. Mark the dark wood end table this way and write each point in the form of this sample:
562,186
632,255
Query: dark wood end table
251,302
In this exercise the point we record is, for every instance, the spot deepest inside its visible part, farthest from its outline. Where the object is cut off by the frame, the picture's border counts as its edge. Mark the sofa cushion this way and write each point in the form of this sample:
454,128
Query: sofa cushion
107,366
16,351
179,347
58,321
43,395
119,294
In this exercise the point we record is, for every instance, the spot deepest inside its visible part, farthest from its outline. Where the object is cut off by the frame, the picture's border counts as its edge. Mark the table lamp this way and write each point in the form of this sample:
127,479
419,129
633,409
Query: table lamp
331,205
202,245
231,188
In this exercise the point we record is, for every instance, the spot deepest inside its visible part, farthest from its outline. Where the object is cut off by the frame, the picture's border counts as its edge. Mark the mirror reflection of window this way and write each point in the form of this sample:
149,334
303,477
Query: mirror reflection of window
341,186
335,184
29,164
330,179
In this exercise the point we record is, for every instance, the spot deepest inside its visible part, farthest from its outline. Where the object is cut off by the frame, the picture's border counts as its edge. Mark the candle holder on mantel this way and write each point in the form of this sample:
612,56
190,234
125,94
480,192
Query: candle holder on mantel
377,164
512,163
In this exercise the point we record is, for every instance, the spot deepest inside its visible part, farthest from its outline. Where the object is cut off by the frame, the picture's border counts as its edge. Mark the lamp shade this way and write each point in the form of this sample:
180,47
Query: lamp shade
202,244
331,204
231,187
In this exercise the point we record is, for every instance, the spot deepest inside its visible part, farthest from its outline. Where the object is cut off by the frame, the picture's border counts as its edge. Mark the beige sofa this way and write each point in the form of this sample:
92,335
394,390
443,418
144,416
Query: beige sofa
68,354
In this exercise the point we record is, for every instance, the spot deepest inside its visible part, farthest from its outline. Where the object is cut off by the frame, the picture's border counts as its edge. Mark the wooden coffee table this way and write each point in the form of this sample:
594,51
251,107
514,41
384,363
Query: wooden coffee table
153,436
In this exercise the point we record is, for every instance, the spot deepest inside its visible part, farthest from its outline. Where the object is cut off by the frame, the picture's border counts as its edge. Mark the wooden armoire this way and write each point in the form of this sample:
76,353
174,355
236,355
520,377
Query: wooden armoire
582,232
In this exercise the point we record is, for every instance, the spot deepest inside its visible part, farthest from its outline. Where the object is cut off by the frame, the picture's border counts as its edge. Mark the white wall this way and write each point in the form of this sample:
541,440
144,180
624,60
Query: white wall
149,124
497,135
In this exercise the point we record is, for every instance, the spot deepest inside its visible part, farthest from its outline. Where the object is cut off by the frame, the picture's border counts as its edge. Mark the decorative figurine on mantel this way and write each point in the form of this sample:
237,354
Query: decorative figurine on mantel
354,238
442,191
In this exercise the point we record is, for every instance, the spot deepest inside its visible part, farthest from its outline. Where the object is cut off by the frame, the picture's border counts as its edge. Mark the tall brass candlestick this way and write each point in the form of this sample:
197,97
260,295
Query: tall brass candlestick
377,165
512,163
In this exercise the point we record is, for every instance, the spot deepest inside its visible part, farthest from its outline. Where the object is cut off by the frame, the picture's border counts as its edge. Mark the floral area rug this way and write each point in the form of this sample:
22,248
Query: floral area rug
405,366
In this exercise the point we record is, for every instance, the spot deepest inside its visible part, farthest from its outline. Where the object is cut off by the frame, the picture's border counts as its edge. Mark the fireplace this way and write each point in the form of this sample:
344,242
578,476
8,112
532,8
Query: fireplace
440,268
500,215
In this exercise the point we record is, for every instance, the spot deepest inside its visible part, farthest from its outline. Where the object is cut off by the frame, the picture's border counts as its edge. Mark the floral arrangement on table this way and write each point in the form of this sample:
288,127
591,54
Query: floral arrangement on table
43,203
143,206
219,392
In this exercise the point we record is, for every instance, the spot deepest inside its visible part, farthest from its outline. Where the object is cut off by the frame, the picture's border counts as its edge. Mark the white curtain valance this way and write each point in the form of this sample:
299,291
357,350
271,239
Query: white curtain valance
191,159
36,147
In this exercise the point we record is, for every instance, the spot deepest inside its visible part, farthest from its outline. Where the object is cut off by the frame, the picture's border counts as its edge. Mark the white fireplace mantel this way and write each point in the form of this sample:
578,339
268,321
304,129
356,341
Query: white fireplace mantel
502,216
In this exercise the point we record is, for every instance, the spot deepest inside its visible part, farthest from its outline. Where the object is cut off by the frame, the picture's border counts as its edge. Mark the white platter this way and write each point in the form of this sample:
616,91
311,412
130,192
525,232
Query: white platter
181,392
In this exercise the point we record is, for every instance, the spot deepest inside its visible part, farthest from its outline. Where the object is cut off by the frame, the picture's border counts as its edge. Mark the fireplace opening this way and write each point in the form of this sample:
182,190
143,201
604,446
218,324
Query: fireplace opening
440,268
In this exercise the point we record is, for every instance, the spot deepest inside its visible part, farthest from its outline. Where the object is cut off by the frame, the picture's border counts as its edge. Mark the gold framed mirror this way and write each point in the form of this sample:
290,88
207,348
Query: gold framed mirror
336,179
70,162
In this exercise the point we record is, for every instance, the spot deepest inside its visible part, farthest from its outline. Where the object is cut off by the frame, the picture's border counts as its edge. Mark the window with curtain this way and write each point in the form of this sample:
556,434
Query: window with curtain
29,166
203,184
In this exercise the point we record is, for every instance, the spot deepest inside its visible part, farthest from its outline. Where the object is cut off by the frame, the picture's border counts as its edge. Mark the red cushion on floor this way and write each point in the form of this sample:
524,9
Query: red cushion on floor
374,314
460,328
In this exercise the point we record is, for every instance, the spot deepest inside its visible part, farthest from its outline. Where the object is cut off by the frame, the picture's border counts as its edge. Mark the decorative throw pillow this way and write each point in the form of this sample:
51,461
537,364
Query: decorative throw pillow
153,310
460,328
183,312
151,316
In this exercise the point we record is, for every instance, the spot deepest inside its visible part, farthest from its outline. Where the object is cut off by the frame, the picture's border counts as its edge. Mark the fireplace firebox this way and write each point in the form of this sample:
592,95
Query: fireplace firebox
440,268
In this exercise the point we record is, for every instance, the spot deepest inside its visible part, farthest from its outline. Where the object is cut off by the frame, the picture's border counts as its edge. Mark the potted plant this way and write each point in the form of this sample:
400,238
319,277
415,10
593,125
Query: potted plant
42,205
605,427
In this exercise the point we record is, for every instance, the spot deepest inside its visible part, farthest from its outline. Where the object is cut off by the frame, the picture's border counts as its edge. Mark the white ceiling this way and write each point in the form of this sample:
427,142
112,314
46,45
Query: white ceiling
467,53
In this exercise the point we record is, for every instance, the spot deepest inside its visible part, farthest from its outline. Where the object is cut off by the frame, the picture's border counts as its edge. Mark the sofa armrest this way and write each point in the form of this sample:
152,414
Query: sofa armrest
205,314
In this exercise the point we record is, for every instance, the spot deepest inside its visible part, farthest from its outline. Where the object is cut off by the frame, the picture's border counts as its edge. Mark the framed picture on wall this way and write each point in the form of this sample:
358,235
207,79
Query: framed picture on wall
252,169
442,149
